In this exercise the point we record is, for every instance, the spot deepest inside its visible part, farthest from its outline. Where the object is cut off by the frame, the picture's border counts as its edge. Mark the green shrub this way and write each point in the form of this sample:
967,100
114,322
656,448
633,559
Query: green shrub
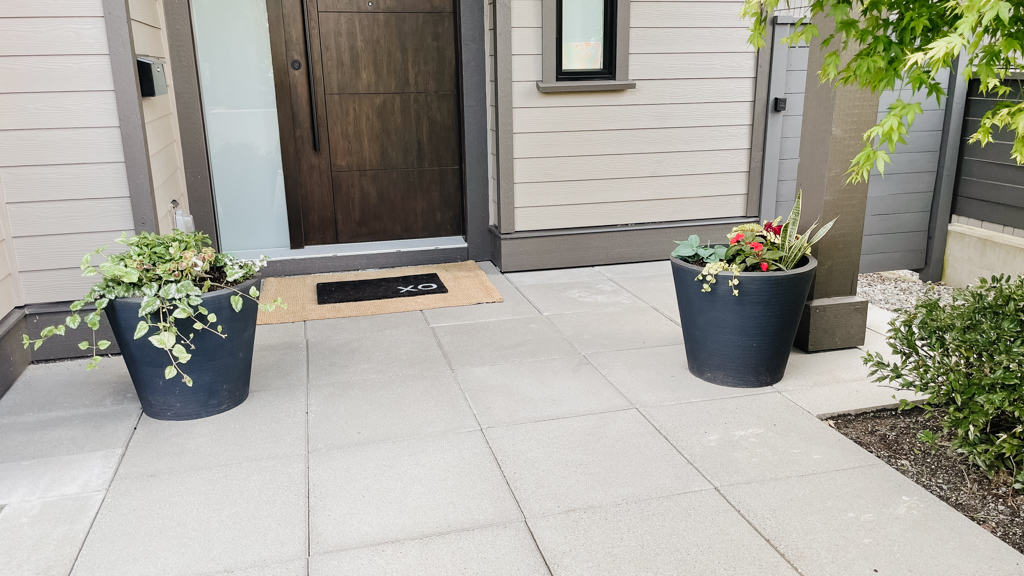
967,356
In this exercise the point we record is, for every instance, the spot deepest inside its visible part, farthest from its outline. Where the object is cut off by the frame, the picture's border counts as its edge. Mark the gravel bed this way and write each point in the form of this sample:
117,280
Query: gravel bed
899,289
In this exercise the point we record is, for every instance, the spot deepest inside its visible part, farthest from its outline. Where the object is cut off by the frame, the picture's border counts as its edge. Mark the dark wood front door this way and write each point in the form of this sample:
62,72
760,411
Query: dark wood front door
368,109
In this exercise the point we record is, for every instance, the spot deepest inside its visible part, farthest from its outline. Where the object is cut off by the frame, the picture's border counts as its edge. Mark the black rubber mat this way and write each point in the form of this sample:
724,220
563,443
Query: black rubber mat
379,289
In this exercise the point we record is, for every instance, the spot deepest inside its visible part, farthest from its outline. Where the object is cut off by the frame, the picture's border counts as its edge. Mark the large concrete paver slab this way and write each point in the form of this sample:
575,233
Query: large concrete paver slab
751,438
199,522
66,434
338,358
578,296
848,398
502,341
66,387
42,538
657,290
297,567
357,326
869,520
279,366
586,461
538,390
375,409
514,305
582,274
268,424
57,476
820,368
634,327
637,269
653,376
697,533
376,493
505,550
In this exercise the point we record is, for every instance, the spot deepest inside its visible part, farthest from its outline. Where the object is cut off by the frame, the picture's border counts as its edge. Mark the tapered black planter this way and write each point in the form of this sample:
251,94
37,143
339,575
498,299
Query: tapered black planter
743,340
219,367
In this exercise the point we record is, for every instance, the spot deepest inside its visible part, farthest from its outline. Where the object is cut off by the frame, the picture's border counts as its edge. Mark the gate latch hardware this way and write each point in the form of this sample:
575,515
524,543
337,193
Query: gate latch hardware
780,104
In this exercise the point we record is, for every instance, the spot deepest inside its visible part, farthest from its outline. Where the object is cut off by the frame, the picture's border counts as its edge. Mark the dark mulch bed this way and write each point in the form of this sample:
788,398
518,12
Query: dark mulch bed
892,436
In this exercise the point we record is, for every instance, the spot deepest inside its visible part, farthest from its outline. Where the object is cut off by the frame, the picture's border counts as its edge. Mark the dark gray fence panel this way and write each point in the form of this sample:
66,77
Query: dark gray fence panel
990,185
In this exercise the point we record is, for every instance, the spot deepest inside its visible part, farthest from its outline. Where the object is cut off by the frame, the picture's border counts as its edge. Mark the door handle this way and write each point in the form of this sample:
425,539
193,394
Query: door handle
309,77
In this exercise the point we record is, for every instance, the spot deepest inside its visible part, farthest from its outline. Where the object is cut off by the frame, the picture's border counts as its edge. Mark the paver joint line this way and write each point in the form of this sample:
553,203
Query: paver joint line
493,456
719,492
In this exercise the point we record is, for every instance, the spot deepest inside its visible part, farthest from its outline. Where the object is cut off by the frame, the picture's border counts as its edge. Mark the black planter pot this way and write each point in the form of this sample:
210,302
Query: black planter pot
744,340
219,367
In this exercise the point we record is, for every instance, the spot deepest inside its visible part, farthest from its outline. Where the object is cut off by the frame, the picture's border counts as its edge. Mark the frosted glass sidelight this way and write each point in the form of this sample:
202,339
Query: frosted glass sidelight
236,79
582,35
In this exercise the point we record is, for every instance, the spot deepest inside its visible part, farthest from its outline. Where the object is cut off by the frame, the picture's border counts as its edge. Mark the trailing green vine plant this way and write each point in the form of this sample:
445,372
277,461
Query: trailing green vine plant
170,272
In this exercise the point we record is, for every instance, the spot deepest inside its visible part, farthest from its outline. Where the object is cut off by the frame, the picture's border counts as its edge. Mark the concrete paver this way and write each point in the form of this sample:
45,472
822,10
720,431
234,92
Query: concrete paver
560,465
869,520
502,341
360,451
375,409
538,390
736,440
384,492
504,550
197,522
620,329
42,537
696,533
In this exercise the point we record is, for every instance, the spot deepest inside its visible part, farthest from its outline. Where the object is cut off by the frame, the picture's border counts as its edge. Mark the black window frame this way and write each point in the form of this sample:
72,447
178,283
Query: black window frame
609,44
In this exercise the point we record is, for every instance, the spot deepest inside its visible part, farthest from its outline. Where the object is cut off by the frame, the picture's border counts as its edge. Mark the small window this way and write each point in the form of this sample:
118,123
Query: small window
586,40
585,46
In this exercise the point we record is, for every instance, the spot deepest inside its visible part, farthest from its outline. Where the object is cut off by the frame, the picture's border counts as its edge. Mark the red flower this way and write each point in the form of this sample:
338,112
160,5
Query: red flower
756,246
739,236
764,266
769,227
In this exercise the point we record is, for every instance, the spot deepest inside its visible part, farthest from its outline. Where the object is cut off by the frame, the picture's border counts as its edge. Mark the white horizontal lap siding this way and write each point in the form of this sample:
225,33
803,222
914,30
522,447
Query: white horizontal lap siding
63,185
677,147
159,115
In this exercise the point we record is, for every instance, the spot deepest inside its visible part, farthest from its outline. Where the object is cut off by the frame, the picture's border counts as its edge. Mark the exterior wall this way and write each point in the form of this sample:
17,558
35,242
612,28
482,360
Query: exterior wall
974,251
62,171
677,147
899,204
159,114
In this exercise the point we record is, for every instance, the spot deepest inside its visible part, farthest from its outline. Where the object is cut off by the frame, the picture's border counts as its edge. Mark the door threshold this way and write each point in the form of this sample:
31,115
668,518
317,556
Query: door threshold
355,248
361,255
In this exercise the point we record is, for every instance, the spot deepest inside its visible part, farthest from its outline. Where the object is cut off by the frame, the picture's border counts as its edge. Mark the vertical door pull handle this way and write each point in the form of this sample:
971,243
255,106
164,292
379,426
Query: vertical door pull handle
309,77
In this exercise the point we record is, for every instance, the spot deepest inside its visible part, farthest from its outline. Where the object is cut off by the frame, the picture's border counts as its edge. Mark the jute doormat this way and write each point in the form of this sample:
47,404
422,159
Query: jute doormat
465,282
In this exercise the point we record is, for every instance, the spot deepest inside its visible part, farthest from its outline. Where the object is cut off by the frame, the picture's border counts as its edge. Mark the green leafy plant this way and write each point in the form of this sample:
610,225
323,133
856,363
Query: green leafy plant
170,272
900,43
967,358
753,247
692,247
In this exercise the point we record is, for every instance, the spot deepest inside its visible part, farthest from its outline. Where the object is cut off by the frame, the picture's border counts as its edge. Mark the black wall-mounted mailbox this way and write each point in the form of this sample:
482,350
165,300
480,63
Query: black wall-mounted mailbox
152,79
